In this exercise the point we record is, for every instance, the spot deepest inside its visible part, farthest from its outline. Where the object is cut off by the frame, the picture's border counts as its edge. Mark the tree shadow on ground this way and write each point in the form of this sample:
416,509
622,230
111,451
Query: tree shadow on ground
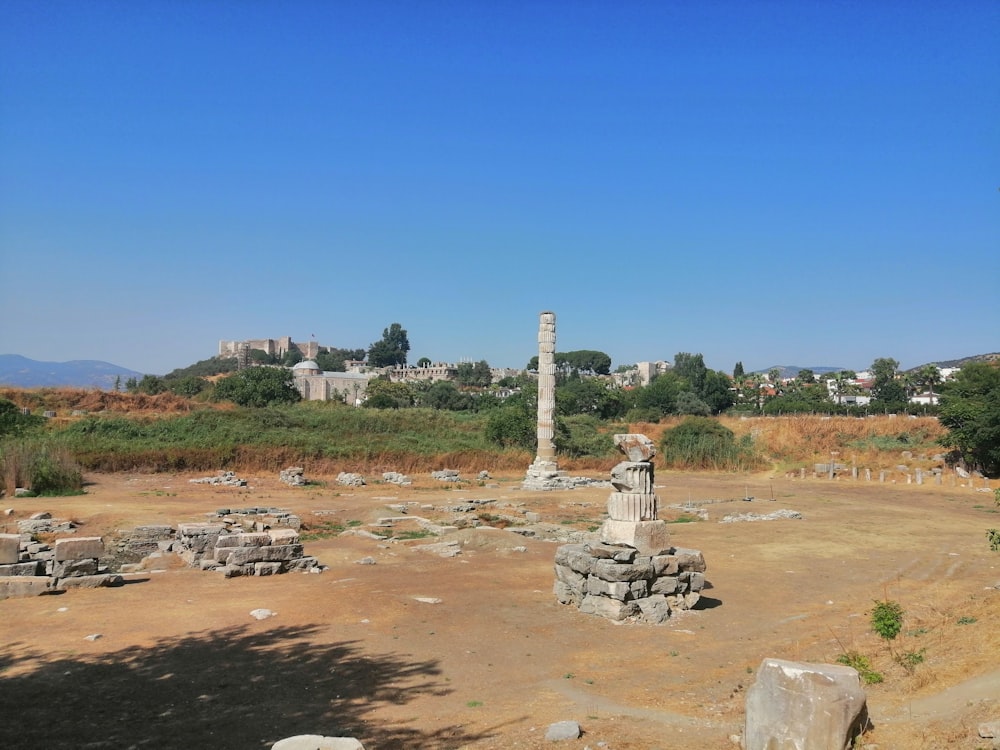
230,688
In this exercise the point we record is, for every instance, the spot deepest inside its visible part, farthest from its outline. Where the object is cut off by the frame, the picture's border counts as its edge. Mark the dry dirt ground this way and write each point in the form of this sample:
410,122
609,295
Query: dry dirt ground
493,659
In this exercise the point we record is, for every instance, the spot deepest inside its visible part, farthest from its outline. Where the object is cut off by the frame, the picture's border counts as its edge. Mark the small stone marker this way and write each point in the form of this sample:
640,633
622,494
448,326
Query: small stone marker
262,614
317,742
563,730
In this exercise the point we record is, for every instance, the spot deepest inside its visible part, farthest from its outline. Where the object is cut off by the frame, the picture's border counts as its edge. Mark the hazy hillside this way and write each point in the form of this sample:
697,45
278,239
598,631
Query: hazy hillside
994,357
22,372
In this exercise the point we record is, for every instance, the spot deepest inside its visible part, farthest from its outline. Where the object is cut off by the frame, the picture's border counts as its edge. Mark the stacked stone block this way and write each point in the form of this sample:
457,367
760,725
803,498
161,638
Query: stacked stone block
29,568
617,582
633,572
240,545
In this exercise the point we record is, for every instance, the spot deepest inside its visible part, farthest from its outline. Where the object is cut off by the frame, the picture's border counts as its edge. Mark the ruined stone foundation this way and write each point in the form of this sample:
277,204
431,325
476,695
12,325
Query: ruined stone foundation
633,572
617,582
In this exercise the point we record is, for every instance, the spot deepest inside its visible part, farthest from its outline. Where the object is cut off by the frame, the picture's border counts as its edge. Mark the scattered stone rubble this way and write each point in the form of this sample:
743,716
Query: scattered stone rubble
446,475
225,478
348,479
773,516
394,477
294,476
632,572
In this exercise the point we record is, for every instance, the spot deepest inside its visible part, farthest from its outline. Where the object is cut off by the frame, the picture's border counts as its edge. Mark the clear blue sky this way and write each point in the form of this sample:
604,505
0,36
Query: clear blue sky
780,183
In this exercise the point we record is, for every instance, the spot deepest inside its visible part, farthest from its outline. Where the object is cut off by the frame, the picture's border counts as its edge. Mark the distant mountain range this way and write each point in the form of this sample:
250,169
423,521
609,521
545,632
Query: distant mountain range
22,372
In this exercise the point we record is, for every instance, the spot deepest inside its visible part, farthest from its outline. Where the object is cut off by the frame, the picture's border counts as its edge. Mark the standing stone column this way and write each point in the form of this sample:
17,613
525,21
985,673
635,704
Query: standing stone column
546,386
544,473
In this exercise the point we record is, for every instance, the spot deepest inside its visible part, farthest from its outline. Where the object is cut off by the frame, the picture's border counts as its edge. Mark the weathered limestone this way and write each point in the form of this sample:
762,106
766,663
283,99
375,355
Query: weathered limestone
293,476
795,705
40,569
79,548
544,473
634,573
248,542
317,742
10,545
632,510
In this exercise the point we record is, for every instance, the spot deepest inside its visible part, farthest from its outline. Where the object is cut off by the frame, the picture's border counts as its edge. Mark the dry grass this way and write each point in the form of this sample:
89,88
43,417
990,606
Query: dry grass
65,400
796,441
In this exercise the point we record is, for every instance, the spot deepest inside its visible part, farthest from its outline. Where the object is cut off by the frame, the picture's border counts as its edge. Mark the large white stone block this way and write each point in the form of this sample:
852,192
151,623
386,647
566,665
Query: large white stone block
649,537
795,705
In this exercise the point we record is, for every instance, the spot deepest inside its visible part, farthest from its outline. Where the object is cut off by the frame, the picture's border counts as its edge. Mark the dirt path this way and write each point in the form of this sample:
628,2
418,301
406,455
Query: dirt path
496,659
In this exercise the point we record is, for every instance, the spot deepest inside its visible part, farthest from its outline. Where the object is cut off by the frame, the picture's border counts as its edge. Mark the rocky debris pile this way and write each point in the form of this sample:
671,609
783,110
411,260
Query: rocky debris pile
230,549
483,476
30,568
394,477
258,518
293,476
44,523
224,478
774,516
132,546
616,582
347,479
557,480
797,704
446,475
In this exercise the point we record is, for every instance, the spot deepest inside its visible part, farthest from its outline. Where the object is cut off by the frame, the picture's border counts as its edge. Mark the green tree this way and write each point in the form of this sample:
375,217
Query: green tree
257,387
738,372
476,375
333,359
292,357
888,394
513,425
689,403
929,376
692,368
806,376
660,396
391,349
424,362
13,422
970,409
444,395
717,391
260,357
382,393
151,385
188,387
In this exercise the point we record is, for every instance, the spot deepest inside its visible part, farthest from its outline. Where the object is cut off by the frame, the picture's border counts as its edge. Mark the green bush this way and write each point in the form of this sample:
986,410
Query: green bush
860,663
704,443
887,619
42,468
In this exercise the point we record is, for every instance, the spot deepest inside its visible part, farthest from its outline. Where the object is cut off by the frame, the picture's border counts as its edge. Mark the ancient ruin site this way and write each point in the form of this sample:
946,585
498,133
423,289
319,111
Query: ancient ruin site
426,615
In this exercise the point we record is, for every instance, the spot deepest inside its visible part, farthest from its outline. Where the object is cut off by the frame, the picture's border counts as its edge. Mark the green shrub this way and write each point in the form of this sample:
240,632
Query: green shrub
887,619
993,537
860,663
42,468
704,443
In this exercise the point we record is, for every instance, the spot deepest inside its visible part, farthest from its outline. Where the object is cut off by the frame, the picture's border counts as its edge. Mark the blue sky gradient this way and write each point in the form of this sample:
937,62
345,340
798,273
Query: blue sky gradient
779,183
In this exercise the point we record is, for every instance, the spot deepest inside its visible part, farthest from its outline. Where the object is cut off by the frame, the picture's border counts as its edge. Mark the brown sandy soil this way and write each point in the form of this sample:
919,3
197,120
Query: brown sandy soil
352,651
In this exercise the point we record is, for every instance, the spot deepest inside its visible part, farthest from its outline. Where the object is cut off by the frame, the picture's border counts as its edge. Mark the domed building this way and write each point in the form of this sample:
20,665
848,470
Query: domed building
316,385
